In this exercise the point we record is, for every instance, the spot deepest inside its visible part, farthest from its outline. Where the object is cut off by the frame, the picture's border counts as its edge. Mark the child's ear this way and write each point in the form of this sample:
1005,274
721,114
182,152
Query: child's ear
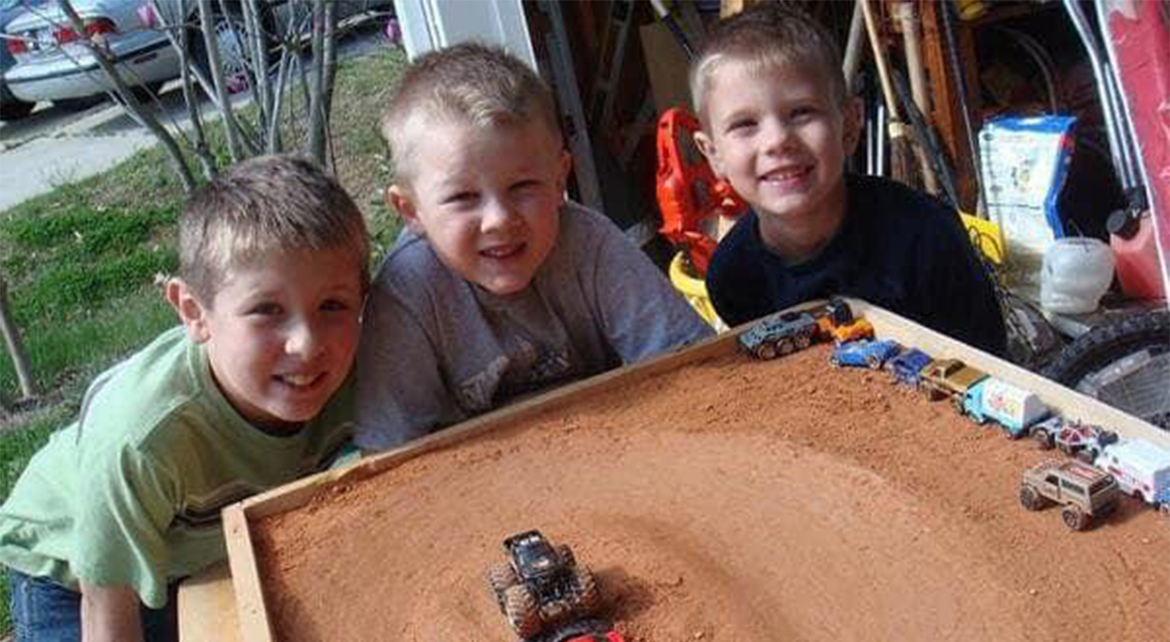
851,115
398,198
707,146
191,311
566,167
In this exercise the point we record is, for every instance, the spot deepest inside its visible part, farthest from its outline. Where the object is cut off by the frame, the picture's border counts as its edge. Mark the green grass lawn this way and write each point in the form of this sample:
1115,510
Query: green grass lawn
82,262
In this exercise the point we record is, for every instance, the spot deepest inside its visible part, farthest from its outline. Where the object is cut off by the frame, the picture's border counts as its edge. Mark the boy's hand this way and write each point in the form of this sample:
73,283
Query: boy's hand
110,614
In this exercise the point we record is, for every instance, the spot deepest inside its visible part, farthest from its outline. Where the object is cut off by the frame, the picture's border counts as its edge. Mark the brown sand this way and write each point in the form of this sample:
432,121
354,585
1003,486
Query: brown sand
731,500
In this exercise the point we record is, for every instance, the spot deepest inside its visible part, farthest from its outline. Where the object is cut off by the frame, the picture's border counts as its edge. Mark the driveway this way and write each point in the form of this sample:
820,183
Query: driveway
53,147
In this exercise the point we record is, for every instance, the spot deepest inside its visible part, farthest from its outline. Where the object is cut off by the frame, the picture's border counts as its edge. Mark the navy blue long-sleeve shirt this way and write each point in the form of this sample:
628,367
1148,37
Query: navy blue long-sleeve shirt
897,248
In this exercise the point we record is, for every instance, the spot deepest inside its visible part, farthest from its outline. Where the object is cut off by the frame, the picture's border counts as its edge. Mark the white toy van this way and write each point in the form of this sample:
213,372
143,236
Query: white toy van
1142,469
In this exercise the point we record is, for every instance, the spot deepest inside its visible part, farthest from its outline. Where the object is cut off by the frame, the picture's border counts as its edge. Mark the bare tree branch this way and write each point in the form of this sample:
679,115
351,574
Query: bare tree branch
106,61
15,346
211,40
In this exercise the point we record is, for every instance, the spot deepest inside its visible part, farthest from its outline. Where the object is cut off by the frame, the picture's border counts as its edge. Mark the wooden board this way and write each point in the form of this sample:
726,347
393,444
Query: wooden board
248,585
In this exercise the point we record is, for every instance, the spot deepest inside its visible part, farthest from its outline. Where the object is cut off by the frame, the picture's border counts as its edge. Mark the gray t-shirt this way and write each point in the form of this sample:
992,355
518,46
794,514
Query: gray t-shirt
437,349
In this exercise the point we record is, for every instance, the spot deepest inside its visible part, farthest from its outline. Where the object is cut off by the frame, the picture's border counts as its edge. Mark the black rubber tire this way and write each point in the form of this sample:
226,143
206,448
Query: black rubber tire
766,351
585,586
522,611
1030,499
1043,440
1074,518
501,577
786,346
803,341
566,554
12,109
1107,343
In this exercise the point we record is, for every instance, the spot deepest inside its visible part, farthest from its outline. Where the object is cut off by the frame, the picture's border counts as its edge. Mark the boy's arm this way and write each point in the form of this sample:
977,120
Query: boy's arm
401,394
109,614
641,312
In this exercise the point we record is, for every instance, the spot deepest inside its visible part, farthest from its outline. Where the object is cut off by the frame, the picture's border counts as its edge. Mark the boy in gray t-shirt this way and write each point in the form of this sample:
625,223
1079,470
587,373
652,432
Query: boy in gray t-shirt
498,287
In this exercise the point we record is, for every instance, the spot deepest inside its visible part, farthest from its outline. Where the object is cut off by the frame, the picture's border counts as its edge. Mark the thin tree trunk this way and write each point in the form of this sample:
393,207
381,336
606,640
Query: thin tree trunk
207,24
15,346
147,120
324,23
180,37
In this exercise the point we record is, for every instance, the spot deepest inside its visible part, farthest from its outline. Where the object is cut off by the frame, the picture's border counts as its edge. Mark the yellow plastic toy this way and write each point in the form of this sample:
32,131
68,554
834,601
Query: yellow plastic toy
694,290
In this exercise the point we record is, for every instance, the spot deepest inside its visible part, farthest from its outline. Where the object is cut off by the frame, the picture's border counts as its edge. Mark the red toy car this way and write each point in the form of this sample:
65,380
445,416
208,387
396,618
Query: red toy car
585,630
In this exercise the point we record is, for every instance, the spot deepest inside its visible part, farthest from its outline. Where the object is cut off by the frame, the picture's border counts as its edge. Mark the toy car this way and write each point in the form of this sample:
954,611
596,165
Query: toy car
948,378
1085,492
1012,407
1142,469
838,323
864,353
541,585
779,334
1074,438
905,367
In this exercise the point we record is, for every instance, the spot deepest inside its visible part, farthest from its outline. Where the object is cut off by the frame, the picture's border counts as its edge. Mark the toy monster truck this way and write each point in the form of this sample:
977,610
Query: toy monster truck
540,584
948,378
779,334
1085,492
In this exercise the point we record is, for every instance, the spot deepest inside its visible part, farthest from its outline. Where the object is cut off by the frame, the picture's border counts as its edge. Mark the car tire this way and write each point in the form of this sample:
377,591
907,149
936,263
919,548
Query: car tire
522,611
501,577
588,598
566,555
12,109
1074,518
766,351
1030,499
1106,345
803,341
1043,440
234,51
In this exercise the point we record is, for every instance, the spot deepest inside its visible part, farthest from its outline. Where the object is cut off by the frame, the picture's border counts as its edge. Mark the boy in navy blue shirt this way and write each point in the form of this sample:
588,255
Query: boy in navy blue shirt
778,125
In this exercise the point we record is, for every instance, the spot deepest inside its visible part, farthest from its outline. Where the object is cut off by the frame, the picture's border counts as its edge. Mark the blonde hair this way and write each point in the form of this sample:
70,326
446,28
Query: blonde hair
766,36
262,205
469,83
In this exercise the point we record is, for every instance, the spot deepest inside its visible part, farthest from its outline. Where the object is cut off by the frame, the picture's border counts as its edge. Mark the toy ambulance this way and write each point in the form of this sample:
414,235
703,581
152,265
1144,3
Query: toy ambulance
1010,406
1141,467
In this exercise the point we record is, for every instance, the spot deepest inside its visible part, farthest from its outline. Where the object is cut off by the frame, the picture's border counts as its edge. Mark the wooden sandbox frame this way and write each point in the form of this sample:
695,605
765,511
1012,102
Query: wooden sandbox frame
250,606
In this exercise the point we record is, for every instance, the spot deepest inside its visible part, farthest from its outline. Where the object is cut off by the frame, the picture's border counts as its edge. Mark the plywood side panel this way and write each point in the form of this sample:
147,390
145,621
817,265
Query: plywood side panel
251,612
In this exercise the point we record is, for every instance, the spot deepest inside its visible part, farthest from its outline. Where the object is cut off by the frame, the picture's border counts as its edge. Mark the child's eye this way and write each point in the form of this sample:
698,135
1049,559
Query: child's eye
460,198
742,123
264,310
525,184
801,114
335,305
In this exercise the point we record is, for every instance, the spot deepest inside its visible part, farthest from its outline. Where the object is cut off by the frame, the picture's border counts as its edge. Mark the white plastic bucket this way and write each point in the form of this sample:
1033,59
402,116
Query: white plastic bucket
1076,272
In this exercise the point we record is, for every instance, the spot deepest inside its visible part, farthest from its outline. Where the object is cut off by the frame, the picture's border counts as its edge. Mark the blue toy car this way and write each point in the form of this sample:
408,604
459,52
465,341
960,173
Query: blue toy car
864,354
906,366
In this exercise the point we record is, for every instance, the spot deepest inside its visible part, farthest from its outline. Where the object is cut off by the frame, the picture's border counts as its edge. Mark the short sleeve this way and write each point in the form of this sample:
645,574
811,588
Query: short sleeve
641,313
126,502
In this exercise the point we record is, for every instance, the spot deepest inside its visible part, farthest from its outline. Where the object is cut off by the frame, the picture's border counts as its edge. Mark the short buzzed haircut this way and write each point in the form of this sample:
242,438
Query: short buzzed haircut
263,205
467,83
766,36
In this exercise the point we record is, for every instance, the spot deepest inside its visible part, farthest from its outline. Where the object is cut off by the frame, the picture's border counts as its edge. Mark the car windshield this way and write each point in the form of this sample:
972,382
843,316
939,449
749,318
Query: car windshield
10,4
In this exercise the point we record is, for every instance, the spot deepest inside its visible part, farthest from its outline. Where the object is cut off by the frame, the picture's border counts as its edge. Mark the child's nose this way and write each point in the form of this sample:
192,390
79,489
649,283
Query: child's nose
302,340
497,215
777,134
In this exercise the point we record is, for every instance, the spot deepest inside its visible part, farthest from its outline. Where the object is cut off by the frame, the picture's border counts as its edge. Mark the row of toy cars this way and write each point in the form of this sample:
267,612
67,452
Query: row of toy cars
1135,467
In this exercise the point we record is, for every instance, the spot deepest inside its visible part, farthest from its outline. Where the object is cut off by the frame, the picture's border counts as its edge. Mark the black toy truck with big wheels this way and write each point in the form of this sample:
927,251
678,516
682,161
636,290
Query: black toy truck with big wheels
544,594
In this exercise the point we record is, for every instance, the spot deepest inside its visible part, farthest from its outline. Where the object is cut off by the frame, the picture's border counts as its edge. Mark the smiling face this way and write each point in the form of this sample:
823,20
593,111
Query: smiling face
780,138
487,198
281,333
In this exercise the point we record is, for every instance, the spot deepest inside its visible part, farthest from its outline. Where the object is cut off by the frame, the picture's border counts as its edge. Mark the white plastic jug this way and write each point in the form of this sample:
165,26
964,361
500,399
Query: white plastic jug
1076,272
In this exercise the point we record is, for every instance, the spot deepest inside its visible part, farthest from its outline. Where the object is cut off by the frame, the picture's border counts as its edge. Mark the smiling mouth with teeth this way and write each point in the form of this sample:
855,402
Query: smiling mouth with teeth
505,252
300,381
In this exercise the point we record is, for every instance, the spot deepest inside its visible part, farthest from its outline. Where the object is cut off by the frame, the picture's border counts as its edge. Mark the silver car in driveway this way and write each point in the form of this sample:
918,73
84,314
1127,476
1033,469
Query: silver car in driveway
52,66
10,107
